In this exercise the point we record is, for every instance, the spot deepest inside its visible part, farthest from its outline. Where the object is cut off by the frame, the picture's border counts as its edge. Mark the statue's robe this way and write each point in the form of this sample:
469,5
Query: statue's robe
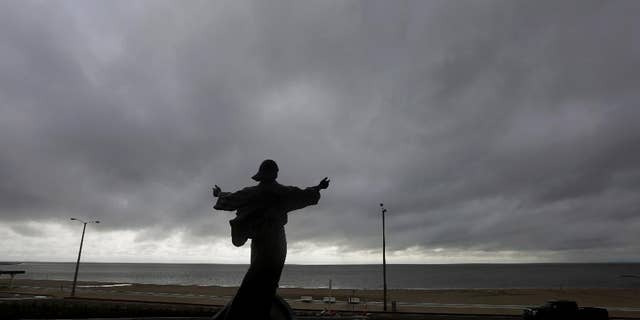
261,215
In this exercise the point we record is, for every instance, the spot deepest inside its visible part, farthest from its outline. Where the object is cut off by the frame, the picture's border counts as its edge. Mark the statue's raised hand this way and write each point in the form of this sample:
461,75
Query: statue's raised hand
216,191
324,183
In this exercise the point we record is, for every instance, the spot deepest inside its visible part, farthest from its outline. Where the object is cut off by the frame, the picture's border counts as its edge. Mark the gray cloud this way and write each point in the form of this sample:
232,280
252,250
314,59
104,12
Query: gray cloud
486,126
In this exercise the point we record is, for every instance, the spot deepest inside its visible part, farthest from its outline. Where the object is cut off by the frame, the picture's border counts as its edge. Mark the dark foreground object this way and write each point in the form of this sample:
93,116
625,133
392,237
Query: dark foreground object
564,310
80,308
280,310
261,214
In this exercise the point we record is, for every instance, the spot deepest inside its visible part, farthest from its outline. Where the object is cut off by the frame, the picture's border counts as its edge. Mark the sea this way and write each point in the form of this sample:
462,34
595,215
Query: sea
399,276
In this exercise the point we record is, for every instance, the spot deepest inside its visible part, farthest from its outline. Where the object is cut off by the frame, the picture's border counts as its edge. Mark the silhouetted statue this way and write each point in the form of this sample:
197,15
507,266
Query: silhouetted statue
261,215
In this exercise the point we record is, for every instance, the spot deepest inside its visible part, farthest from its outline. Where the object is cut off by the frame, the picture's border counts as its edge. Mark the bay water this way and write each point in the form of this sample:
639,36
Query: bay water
415,276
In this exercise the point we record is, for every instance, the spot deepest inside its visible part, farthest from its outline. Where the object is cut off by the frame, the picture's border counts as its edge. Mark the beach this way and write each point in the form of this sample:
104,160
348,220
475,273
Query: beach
621,302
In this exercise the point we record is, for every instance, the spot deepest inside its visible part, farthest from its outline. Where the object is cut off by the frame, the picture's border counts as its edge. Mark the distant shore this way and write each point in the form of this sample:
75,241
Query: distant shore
620,302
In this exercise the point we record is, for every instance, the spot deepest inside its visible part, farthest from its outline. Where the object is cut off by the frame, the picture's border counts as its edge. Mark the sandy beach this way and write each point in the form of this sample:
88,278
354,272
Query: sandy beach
620,302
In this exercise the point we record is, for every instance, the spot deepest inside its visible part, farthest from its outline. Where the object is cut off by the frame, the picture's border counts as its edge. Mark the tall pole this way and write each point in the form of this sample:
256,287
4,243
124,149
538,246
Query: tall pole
75,275
384,260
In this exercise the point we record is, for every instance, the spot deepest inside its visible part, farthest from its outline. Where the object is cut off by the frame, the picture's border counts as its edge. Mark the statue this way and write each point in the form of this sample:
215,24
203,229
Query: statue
261,215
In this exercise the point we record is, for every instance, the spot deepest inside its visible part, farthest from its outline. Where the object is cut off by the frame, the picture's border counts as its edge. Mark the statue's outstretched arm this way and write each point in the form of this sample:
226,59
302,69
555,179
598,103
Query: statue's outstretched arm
299,198
216,191
231,201
324,183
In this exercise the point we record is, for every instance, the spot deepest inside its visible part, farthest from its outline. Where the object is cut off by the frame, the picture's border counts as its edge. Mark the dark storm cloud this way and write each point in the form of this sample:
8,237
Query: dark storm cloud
486,126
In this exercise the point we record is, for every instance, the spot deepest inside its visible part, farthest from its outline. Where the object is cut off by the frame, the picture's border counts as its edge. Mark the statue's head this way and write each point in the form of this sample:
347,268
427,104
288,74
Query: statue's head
268,171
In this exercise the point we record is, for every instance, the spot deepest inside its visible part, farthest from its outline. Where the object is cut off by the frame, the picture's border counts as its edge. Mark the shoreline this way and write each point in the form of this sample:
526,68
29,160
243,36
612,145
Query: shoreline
623,302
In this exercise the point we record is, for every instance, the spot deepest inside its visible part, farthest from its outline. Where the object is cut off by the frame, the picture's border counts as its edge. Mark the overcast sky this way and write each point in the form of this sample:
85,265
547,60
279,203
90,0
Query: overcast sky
493,131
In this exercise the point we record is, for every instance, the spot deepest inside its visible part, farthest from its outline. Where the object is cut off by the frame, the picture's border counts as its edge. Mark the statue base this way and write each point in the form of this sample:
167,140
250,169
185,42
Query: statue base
280,310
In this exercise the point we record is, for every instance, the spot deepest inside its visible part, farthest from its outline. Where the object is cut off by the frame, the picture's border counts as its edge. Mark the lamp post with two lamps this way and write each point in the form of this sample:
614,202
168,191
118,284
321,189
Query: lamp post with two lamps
75,276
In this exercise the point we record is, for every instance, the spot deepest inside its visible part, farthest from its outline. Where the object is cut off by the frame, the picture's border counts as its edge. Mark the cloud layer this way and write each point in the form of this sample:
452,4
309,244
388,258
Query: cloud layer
483,127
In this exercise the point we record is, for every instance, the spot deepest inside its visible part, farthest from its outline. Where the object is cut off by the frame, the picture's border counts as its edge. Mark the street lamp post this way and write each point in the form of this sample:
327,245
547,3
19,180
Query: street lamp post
75,276
384,260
